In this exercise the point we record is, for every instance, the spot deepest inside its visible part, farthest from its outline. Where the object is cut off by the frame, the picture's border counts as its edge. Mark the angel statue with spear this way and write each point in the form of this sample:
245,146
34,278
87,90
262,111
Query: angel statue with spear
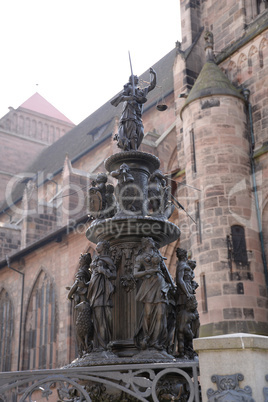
130,130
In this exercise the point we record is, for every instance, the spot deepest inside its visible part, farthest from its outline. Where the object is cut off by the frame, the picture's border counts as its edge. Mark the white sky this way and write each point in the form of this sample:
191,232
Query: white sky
77,50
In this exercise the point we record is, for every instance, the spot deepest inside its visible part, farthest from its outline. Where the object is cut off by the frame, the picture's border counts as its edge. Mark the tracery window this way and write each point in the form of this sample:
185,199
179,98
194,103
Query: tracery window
40,340
6,331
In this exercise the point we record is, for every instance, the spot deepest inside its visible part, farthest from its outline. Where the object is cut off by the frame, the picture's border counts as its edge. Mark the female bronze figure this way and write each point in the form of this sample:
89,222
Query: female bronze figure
100,290
130,131
152,330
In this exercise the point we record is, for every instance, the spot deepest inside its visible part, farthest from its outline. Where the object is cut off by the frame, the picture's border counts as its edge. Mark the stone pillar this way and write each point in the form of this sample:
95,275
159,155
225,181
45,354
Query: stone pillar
233,362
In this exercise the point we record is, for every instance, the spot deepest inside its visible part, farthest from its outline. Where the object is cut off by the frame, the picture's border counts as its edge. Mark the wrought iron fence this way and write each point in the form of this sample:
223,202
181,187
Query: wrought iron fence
154,382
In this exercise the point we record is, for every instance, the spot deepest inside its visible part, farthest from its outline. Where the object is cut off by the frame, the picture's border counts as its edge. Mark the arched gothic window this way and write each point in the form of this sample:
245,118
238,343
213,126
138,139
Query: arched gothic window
52,134
45,136
261,6
253,57
254,8
21,125
263,50
33,128
6,331
39,130
241,67
232,72
27,126
41,326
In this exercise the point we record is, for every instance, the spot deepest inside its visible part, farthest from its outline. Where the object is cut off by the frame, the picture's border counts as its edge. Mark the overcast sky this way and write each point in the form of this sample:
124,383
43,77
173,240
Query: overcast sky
77,50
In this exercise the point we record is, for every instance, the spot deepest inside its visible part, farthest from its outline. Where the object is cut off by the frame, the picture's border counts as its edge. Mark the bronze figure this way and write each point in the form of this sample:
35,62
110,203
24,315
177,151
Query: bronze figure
125,191
152,330
78,291
159,195
183,278
130,131
187,317
81,308
123,175
100,290
101,198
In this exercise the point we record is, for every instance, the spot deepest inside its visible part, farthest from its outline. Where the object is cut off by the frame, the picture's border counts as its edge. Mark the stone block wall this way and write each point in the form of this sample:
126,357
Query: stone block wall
219,166
154,120
190,21
248,67
226,19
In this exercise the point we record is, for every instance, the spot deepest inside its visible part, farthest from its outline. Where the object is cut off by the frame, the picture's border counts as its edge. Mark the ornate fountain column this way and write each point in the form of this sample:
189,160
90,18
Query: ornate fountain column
124,231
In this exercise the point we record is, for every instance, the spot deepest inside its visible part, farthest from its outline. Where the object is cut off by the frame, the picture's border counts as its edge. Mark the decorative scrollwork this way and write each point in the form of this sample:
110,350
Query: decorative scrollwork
144,382
228,387
173,384
74,393
127,256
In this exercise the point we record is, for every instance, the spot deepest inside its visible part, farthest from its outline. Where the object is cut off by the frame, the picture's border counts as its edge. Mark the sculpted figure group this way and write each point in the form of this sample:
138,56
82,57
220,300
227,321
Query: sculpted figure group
95,331
169,319
105,200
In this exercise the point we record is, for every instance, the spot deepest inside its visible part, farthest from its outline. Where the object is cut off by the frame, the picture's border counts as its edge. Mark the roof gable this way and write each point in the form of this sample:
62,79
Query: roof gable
37,103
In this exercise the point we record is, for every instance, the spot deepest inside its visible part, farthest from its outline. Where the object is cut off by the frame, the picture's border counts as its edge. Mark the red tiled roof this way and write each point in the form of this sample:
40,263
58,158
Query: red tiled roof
39,104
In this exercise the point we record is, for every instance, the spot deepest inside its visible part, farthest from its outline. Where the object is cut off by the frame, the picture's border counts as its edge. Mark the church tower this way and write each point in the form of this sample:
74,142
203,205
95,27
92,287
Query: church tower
218,171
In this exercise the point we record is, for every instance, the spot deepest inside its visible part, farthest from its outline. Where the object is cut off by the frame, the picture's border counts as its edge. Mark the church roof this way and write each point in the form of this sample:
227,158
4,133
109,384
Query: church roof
37,103
211,81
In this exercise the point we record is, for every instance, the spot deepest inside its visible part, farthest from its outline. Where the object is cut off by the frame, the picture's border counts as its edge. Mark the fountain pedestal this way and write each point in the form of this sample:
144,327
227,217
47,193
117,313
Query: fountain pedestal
124,232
